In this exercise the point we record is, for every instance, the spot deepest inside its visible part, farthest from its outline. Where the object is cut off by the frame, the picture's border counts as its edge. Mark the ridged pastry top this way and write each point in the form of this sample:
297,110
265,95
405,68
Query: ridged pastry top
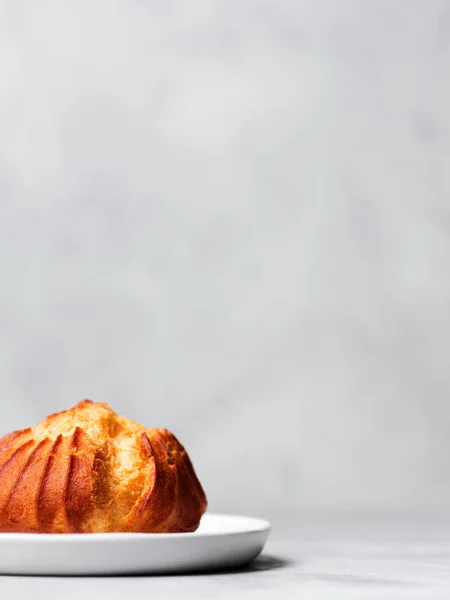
88,469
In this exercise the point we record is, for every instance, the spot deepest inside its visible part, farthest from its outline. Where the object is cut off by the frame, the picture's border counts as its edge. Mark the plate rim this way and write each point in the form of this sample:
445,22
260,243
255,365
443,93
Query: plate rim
257,525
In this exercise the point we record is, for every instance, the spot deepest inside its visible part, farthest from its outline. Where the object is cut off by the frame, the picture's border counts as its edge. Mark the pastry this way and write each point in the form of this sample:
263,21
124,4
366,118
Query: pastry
89,470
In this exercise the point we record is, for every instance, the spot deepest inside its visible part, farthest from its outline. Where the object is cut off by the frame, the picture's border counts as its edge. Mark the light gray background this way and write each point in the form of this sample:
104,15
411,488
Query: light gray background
232,219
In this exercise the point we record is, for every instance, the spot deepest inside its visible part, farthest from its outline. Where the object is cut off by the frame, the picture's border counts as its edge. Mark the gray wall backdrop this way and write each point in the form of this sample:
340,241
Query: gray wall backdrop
232,218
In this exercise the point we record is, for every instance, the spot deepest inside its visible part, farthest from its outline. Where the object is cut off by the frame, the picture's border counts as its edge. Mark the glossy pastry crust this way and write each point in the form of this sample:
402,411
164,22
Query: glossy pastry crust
88,470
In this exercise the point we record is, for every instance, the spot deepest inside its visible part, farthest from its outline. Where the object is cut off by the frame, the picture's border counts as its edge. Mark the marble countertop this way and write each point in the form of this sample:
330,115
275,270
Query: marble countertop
351,555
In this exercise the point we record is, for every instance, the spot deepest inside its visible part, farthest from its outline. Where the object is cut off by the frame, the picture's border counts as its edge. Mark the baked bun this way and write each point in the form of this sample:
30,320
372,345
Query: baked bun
88,470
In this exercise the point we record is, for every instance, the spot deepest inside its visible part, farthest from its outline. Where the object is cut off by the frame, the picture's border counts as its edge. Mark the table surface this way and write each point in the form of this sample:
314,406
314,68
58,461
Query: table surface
341,555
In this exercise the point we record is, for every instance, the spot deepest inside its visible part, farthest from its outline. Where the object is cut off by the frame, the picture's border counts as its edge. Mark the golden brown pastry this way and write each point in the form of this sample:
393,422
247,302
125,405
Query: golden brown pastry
88,469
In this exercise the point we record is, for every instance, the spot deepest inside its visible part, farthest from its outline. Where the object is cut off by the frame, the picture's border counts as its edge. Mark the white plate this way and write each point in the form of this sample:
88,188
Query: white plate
221,541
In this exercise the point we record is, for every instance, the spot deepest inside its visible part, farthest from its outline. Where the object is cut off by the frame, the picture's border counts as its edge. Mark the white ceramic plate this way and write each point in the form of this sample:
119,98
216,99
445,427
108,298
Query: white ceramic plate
221,541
